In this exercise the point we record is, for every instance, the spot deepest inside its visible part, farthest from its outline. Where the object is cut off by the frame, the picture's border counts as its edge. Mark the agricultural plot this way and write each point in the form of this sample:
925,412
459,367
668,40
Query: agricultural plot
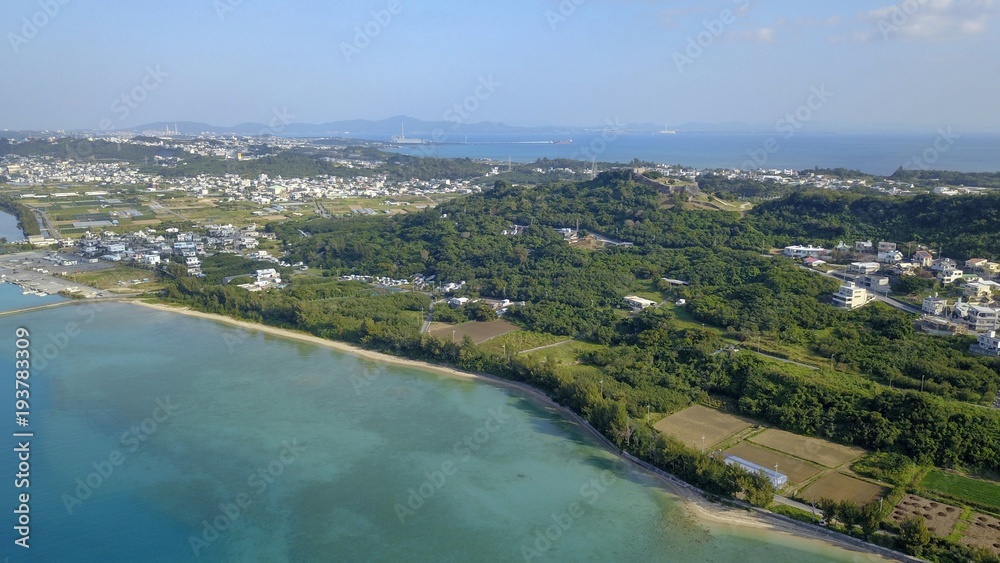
838,487
480,332
941,518
962,488
983,532
798,471
820,451
693,423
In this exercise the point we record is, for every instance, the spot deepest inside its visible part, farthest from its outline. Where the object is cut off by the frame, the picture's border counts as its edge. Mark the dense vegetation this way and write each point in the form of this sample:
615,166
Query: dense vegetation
660,359
948,178
965,226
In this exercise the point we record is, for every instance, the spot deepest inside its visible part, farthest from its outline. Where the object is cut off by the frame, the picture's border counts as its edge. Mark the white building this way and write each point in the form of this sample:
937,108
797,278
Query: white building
851,296
805,251
638,303
950,276
988,343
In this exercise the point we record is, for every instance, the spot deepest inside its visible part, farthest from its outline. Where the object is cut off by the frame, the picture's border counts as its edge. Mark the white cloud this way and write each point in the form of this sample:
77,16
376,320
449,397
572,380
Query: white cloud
929,20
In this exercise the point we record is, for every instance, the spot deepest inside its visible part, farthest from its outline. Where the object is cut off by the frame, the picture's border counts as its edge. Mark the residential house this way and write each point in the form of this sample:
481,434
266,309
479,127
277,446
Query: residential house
851,296
982,319
978,290
864,246
805,251
943,264
890,257
924,258
988,344
884,246
934,305
975,264
950,276
863,267
638,303
992,268
878,284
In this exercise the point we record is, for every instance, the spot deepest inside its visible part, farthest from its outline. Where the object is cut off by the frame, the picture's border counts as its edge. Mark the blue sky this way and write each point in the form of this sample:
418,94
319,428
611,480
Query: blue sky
916,65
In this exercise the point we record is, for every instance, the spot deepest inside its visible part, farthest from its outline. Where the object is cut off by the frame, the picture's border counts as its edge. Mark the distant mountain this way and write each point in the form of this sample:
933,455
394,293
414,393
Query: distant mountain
414,128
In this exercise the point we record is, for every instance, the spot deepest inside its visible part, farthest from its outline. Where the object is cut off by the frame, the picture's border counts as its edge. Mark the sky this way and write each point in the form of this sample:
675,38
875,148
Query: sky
918,65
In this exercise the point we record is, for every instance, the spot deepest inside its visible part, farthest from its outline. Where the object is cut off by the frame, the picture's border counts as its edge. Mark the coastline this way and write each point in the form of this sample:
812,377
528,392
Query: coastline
717,516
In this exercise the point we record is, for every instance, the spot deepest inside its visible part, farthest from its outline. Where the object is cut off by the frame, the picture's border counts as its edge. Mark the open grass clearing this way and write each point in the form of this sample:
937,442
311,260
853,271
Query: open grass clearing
823,452
839,487
693,423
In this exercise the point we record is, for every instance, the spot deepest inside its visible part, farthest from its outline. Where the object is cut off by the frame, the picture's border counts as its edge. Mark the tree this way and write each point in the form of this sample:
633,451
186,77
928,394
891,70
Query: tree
914,535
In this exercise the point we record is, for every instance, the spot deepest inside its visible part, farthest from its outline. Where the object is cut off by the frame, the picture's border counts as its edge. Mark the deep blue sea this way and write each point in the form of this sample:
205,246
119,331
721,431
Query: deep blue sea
873,153
160,437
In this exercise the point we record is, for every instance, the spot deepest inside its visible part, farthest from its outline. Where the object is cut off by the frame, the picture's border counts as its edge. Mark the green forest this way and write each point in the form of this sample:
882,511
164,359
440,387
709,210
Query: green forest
874,381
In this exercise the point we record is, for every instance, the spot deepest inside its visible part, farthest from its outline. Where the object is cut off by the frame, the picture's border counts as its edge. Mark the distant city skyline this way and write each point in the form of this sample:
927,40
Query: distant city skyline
918,65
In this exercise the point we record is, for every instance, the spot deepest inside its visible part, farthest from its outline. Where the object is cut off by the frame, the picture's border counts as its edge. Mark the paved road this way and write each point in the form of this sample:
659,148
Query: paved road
794,504
782,359
543,347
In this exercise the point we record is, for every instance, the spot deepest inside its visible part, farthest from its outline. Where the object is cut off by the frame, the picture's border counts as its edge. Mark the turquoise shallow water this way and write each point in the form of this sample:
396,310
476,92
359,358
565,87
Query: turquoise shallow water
166,438
12,299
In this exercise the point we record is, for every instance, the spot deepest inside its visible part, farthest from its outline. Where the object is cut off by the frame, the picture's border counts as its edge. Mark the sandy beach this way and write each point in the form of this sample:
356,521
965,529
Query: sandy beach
723,518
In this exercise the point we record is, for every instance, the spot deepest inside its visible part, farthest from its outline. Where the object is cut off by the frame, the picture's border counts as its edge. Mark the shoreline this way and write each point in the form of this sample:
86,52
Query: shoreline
694,503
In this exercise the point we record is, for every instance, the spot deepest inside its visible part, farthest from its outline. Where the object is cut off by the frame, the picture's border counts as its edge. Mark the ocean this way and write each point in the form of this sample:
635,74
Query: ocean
160,437
879,154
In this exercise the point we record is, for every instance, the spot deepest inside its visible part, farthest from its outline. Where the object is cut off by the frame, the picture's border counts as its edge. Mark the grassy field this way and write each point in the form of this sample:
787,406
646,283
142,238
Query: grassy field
566,354
119,279
820,451
693,423
798,471
518,341
838,487
962,488
480,332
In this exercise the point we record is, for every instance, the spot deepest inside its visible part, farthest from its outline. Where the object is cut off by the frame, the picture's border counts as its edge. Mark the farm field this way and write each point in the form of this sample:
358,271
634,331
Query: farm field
690,424
798,471
480,332
941,518
839,487
823,452
962,488
983,532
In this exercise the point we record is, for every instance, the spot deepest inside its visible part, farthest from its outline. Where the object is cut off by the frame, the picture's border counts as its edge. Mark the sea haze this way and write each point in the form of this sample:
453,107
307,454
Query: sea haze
158,435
